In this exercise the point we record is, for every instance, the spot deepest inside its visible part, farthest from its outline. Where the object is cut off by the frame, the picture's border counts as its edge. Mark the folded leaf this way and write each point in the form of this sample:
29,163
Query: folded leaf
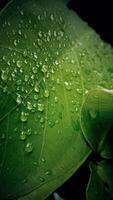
97,121
100,184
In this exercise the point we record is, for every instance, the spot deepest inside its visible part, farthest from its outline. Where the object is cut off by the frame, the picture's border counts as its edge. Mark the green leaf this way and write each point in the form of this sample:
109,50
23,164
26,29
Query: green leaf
57,197
97,121
100,184
49,59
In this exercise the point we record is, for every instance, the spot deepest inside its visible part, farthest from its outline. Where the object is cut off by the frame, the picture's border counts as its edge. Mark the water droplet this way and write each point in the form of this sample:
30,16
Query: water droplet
52,124
34,69
18,82
48,172
24,116
26,78
25,53
43,160
29,147
4,75
28,132
44,69
56,99
41,120
19,32
5,89
19,63
19,99
46,93
29,105
39,17
52,17
42,179
15,42
68,85
36,96
40,107
36,87
21,12
93,113
23,135
3,136
58,81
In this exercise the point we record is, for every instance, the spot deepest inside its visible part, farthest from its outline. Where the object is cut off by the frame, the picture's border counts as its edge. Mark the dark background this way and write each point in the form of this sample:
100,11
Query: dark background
99,15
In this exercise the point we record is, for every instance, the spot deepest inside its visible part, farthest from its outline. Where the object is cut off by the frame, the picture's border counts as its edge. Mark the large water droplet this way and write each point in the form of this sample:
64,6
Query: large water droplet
29,147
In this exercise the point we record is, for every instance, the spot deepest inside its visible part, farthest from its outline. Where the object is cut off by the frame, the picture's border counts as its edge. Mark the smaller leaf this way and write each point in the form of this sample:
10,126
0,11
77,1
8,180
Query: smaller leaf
97,121
57,197
100,186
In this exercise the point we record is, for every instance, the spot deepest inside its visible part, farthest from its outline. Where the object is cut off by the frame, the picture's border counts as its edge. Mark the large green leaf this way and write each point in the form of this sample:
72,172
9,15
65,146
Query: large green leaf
100,184
97,121
49,59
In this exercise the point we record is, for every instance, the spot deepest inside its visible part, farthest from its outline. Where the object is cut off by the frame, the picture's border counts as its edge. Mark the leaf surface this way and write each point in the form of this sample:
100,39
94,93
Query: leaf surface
97,121
49,59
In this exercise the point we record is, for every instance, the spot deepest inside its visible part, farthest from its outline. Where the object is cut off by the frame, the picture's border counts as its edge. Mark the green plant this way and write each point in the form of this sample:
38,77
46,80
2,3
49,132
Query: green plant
54,110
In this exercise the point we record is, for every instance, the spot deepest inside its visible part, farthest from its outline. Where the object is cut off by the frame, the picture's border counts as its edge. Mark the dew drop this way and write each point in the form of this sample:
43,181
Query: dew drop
52,17
23,135
28,132
44,69
19,32
36,96
40,107
46,93
41,120
4,75
19,63
36,87
25,53
34,69
68,85
19,99
21,12
48,172
5,89
29,105
29,147
42,179
56,99
43,160
15,42
26,78
24,116
3,136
